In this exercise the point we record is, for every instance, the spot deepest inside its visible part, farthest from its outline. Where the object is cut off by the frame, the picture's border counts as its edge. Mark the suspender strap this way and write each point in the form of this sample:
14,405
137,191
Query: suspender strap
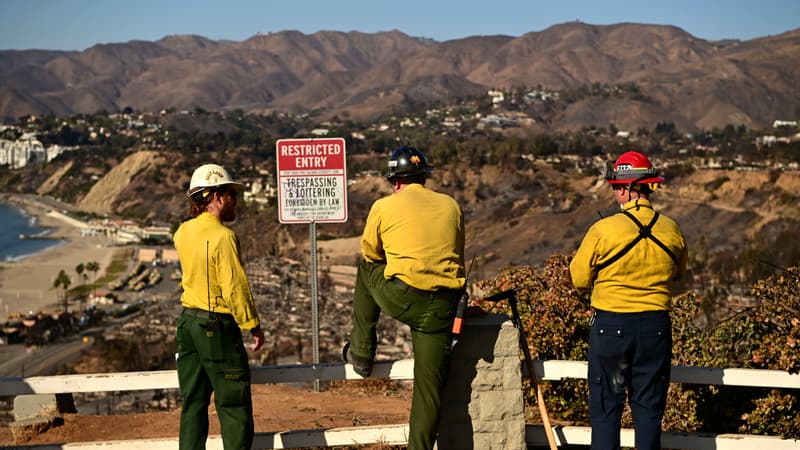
645,232
652,237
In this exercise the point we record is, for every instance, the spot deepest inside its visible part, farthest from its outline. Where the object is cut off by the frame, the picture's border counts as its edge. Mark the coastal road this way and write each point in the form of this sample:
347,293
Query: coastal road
41,361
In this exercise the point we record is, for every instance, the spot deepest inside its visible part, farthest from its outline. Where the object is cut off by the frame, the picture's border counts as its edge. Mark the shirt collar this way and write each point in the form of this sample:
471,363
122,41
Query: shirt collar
205,215
636,203
414,186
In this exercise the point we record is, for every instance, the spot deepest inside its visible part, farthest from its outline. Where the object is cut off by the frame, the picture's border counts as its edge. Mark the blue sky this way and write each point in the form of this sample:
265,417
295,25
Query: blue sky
79,24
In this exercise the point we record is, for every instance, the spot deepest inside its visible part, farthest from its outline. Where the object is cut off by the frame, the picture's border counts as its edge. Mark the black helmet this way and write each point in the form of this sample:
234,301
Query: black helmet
407,161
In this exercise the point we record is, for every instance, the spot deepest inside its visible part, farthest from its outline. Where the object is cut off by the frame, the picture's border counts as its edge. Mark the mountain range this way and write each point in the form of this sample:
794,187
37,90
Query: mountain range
694,83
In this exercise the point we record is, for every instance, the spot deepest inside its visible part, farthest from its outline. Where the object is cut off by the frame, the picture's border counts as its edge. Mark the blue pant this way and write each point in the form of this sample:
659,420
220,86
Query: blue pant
629,352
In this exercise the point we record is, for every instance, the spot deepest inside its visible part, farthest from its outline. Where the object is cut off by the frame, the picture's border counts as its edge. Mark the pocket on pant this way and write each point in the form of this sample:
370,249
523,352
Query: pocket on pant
184,336
216,348
234,388
215,341
611,332
442,316
657,323
608,363
236,374
658,339
181,324
596,403
397,301
446,309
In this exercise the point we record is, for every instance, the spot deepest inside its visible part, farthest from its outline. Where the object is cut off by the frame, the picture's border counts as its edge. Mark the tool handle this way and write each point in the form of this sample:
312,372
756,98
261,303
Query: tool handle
501,295
459,319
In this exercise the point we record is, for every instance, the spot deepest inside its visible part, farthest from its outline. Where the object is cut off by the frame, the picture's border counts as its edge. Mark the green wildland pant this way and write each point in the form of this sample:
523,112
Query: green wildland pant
430,316
213,359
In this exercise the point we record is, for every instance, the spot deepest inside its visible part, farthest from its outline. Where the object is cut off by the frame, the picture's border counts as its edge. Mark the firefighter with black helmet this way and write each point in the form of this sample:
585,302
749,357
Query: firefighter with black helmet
413,270
218,307
407,161
629,261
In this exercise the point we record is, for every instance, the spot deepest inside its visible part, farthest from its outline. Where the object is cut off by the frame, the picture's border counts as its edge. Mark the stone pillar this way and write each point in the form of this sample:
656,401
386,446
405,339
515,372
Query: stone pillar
483,406
35,414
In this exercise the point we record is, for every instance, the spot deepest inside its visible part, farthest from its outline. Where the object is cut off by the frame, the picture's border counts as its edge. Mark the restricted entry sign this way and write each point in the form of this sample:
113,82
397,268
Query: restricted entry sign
312,180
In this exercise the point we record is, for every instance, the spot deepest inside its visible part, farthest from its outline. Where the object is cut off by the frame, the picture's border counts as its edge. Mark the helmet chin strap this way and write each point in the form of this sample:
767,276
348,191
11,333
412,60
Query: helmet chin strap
638,192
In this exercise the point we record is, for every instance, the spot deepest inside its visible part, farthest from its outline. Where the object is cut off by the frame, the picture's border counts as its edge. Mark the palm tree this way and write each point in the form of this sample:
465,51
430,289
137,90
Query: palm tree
80,268
94,267
62,281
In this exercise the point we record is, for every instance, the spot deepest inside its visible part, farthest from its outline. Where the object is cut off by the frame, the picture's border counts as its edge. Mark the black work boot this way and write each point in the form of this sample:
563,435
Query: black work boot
362,366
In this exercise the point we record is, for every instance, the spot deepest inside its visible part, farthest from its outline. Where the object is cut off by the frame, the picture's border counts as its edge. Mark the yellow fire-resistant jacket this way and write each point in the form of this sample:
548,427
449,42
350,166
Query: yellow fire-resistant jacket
640,280
419,233
209,256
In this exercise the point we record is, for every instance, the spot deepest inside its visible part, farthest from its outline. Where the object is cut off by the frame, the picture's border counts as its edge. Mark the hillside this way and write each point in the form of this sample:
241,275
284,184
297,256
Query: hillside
677,77
518,214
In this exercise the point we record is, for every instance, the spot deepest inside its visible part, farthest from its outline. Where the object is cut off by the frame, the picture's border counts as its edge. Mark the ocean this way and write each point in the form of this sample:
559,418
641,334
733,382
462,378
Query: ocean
14,223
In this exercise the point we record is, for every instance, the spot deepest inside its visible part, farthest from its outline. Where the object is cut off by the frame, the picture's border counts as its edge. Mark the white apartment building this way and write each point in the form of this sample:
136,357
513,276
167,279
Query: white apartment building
27,150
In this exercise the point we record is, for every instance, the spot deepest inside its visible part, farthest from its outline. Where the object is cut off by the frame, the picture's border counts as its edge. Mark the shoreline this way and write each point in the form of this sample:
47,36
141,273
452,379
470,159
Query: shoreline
26,283
46,233
57,242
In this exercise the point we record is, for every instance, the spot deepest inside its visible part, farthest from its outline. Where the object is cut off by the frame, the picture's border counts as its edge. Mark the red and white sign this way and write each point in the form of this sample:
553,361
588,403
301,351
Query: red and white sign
312,180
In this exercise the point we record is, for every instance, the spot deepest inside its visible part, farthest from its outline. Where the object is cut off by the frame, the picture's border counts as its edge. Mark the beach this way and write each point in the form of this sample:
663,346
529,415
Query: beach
27,285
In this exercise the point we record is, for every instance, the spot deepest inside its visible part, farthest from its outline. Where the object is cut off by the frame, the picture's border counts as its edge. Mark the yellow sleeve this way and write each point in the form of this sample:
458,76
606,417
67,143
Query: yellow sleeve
371,244
581,268
234,285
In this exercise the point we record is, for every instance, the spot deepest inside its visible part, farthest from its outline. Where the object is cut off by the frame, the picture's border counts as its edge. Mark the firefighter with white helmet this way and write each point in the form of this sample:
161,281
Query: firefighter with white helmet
413,270
629,261
210,176
217,307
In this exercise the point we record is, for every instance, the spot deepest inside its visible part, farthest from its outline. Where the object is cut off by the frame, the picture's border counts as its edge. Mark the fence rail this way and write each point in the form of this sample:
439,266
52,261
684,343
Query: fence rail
397,434
397,370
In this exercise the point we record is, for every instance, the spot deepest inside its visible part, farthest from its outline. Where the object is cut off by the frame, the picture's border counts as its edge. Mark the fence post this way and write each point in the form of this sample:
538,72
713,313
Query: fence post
34,414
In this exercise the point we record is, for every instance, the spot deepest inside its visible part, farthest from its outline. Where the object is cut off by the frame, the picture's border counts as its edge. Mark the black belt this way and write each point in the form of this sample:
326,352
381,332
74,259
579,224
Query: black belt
410,288
630,315
203,314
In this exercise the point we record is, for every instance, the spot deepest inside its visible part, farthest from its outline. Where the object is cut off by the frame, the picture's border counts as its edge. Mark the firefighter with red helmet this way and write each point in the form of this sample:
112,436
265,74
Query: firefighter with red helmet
629,261
413,270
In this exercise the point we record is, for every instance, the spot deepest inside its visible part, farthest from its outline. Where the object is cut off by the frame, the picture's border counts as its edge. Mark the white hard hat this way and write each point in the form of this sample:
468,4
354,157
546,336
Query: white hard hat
211,175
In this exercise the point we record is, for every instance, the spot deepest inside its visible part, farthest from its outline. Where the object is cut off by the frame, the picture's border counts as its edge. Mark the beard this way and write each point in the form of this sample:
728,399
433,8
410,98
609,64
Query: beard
229,213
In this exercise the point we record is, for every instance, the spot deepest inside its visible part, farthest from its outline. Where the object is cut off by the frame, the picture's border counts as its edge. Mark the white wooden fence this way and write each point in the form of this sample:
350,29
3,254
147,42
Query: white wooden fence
397,434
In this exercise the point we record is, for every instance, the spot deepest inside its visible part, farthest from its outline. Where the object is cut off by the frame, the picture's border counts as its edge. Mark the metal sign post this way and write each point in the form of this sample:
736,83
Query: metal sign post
312,187
312,228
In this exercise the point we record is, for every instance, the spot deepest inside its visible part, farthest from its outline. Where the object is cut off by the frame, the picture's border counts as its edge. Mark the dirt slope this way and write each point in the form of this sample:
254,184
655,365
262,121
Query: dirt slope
101,196
53,180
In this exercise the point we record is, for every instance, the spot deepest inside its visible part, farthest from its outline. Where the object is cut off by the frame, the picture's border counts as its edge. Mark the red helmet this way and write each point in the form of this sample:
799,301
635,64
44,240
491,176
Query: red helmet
632,168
